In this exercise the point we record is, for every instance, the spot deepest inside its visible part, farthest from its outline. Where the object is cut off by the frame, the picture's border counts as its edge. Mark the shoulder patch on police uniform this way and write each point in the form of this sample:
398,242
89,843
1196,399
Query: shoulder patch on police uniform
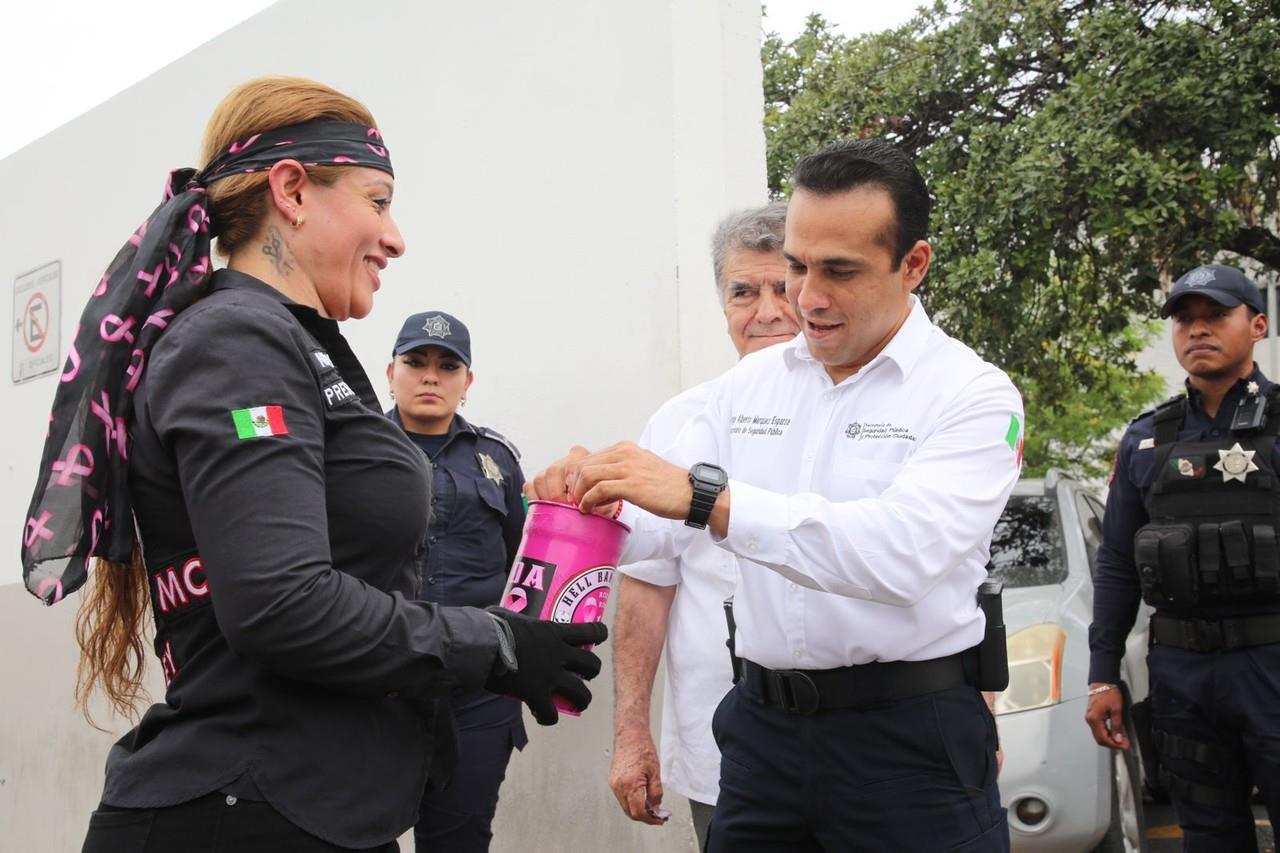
501,439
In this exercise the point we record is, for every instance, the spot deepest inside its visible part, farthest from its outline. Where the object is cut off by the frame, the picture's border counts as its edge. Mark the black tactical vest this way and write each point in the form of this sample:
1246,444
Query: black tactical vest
1215,512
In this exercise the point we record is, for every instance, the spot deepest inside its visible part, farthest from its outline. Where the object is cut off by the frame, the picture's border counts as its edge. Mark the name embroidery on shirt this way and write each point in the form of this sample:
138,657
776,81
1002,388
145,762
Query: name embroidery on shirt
179,585
338,393
759,425
858,431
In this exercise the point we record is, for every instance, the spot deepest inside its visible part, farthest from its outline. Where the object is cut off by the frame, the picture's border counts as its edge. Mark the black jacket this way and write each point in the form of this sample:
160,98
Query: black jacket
280,545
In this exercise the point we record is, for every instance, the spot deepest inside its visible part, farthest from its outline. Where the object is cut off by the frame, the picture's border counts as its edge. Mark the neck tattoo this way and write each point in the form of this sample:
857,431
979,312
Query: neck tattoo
277,250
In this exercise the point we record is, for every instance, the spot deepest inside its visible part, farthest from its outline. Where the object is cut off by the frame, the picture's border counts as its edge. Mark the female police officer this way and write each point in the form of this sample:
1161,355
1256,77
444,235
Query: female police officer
277,513
477,516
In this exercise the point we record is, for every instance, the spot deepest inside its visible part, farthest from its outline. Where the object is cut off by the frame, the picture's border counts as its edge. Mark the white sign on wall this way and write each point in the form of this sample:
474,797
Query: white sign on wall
36,297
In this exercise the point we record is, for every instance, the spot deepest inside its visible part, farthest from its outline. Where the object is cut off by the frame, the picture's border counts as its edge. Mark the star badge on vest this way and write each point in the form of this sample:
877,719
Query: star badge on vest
1236,463
490,468
436,327
1252,388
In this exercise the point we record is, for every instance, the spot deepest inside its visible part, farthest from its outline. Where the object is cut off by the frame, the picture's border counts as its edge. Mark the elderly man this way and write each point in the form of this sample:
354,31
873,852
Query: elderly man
680,599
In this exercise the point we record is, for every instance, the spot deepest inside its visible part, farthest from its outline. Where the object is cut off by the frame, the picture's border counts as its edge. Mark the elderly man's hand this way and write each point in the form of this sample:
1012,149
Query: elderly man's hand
626,471
635,778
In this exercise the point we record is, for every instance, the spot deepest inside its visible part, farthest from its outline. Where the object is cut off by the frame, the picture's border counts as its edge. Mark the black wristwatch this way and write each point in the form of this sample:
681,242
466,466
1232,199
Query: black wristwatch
708,482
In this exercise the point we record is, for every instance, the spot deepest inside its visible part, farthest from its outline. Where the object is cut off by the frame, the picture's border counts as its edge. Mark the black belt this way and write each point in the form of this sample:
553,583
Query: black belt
806,691
1215,635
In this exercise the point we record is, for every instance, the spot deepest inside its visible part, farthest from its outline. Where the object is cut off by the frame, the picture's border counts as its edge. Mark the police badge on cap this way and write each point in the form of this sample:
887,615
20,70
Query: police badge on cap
435,329
1225,285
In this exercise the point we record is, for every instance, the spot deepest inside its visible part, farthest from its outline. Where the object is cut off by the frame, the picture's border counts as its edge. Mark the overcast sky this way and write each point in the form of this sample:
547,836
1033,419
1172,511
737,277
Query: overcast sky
59,58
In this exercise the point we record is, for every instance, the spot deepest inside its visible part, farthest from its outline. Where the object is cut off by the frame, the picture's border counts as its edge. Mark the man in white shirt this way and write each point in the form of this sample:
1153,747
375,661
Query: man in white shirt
680,600
870,460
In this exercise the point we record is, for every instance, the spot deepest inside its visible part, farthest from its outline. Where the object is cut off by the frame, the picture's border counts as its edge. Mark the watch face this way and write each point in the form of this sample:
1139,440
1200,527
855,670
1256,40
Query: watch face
710,474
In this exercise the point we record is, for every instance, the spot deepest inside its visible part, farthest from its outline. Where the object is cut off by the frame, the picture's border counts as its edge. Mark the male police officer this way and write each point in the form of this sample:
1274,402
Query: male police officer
870,460
680,599
1191,526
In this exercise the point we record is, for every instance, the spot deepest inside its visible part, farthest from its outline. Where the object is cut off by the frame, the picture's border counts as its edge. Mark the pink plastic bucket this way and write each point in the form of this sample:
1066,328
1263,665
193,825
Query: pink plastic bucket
566,565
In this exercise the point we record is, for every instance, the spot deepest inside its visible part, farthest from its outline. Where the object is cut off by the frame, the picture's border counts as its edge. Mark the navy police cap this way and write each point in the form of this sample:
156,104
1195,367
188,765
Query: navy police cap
435,329
1225,285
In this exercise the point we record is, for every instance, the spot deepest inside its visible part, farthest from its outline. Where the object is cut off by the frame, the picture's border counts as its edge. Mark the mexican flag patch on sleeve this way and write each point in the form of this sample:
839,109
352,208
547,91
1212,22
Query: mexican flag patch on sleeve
1014,438
259,422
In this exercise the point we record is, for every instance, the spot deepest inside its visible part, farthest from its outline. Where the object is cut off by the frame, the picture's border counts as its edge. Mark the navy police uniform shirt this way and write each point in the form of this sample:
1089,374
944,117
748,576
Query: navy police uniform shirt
477,518
280,516
1116,591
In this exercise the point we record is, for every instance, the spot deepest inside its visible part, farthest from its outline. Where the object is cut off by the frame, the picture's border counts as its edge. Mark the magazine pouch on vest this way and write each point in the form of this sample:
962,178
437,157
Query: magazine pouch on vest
1214,507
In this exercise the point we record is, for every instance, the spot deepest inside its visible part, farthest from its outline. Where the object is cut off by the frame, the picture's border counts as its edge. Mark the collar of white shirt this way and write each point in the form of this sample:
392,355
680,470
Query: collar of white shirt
904,349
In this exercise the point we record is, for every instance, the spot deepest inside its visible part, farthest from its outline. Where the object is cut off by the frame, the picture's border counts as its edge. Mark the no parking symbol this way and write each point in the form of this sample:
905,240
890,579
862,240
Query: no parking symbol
35,322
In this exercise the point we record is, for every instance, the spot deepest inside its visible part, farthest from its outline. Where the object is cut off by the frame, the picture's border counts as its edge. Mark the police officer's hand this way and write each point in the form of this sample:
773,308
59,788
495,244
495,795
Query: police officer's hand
548,661
1105,716
635,776
626,471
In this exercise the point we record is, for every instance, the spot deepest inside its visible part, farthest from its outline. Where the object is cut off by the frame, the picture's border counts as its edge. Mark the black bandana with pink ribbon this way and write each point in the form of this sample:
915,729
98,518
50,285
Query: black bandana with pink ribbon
81,507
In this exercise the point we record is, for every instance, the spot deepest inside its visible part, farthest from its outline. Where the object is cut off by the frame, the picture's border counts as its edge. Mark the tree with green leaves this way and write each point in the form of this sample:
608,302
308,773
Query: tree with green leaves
1082,153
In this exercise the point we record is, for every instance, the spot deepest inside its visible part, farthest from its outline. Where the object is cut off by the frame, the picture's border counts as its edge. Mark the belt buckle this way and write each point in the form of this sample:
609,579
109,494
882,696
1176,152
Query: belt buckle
795,691
1207,635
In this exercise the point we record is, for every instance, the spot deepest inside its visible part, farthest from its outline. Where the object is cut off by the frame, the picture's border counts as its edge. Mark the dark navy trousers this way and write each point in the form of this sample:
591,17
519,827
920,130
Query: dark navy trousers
459,819
914,775
1229,702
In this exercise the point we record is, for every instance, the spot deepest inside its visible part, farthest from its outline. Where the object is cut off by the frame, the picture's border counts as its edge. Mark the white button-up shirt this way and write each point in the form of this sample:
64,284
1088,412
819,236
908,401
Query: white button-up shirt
698,674
862,512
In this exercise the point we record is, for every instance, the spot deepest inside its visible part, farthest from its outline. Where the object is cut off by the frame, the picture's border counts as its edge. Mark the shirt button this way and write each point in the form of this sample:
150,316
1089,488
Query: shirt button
433,500
394,694
1214,432
797,654
435,465
231,800
752,547
431,581
432,540
793,587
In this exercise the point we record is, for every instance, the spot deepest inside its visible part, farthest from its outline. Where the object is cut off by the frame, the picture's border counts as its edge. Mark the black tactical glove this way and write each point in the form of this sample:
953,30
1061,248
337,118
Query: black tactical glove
543,658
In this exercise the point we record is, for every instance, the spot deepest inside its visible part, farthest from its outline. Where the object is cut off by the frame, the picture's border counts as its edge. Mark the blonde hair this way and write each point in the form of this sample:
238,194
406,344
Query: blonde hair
111,628
237,204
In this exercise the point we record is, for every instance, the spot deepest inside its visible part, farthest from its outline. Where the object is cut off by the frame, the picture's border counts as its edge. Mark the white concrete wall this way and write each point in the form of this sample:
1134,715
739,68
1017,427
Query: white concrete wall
560,167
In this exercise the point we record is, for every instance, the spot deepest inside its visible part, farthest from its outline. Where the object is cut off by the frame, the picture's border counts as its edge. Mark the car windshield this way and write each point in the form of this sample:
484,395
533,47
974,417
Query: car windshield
1026,547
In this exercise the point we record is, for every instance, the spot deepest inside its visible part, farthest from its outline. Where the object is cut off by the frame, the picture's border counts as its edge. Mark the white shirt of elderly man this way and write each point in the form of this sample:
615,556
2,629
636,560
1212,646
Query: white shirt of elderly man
681,599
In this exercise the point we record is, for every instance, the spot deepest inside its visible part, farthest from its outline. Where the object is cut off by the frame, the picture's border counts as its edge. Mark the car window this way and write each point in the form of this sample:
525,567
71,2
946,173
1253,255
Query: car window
1091,527
1026,546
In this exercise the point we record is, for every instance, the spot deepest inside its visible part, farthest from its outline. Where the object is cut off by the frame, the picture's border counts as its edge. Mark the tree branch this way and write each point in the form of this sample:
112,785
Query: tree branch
1257,243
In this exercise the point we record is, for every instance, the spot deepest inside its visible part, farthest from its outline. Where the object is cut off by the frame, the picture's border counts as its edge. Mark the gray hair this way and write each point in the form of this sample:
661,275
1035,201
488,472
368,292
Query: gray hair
756,230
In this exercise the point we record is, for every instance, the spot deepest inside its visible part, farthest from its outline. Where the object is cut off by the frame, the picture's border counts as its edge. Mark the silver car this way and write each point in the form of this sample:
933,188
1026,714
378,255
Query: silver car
1063,791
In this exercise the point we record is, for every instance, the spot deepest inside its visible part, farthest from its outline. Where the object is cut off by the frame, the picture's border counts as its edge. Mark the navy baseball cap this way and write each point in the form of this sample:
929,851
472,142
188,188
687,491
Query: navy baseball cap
1224,285
435,329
